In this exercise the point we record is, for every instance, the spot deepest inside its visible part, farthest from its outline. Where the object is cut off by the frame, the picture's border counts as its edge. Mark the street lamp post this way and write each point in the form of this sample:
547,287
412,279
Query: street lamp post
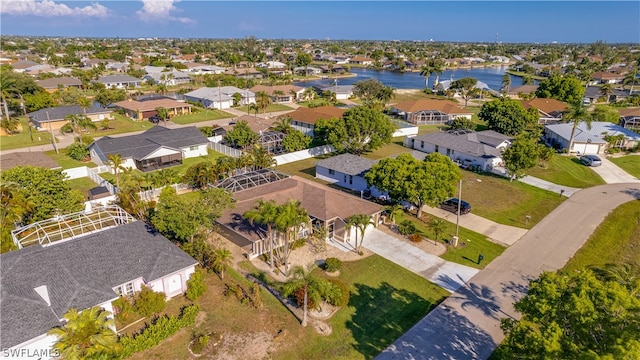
459,203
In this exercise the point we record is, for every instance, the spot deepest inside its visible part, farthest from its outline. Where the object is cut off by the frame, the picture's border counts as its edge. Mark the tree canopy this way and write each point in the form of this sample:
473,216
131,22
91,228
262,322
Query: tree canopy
563,88
295,141
465,86
574,315
241,135
427,182
508,116
521,155
359,130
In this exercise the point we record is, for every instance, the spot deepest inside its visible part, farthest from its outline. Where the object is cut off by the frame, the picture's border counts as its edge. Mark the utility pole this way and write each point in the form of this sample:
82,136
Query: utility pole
219,96
53,138
459,203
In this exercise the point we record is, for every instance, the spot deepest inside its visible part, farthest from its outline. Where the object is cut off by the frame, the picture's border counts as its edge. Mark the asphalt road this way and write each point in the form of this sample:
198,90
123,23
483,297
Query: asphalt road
467,324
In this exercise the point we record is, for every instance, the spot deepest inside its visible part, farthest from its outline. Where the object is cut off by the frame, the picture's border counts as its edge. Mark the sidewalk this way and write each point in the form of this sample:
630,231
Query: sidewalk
543,184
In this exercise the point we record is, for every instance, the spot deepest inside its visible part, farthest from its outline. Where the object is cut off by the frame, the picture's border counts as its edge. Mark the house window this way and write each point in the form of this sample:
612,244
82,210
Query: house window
124,290
332,172
351,179
345,179
448,152
437,148
422,144
193,148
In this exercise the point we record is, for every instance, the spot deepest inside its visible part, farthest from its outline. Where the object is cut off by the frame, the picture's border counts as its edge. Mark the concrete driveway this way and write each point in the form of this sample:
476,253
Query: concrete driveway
612,174
502,234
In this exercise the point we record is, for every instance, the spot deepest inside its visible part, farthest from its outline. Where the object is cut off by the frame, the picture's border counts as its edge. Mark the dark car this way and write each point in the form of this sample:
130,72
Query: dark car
591,160
452,205
154,119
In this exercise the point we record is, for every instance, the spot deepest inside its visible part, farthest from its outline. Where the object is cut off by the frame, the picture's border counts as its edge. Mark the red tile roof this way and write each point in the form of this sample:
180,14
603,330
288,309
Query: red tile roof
445,106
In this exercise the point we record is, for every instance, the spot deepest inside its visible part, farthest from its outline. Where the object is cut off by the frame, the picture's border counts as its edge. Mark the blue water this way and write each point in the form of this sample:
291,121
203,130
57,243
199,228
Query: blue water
492,76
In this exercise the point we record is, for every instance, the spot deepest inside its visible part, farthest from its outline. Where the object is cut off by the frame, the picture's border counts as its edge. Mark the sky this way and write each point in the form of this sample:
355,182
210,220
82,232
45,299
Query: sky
456,21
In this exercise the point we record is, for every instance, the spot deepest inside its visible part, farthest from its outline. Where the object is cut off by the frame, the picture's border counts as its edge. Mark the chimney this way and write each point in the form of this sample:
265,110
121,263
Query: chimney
44,293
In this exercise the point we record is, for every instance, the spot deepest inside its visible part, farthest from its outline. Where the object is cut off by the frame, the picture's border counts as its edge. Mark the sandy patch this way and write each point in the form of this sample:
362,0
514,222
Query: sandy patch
248,346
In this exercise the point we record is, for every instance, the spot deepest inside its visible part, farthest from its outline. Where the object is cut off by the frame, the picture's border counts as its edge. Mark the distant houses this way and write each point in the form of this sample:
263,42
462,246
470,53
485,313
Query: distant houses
221,97
53,118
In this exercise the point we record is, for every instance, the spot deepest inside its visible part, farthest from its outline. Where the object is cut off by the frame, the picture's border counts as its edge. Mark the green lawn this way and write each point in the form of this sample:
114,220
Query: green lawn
304,168
200,116
82,184
507,202
474,243
616,240
568,171
23,138
393,148
270,108
629,163
66,162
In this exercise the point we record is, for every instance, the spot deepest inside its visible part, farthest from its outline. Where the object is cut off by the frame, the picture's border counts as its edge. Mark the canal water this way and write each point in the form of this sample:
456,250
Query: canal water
492,76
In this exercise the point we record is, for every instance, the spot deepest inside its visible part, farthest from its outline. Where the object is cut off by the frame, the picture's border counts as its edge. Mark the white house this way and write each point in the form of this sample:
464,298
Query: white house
588,140
41,282
220,98
347,171
478,149
156,148
168,78
119,81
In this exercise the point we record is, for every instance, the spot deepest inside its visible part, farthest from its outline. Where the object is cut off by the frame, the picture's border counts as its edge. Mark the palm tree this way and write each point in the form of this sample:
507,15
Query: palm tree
393,211
386,94
253,107
576,113
310,285
527,79
10,125
438,226
277,94
437,67
291,216
221,260
309,94
294,95
506,83
627,275
163,114
84,103
283,125
116,163
606,90
426,71
265,213
360,222
86,334
263,100
13,203
79,122
261,157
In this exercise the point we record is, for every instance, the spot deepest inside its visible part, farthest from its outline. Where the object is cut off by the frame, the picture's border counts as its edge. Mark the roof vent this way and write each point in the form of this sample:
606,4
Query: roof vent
44,293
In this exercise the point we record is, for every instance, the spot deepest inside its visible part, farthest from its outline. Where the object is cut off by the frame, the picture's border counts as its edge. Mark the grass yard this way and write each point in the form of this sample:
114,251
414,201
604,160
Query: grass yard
200,116
414,95
23,138
568,171
507,202
120,125
616,240
393,148
269,109
629,163
82,184
304,168
475,243
66,162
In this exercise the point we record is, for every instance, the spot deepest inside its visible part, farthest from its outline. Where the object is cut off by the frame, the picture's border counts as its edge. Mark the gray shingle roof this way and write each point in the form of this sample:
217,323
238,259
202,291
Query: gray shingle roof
118,79
78,273
141,145
58,113
347,164
594,134
481,144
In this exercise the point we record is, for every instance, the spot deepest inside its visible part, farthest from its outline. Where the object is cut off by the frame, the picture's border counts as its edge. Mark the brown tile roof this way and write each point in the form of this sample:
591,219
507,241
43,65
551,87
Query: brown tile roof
446,106
39,159
286,89
320,201
311,115
52,83
150,105
629,112
545,105
524,89
256,124
606,76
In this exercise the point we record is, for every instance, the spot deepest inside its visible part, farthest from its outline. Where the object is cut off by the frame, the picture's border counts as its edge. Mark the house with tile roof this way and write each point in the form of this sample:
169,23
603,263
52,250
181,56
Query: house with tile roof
24,158
280,93
156,148
141,110
430,111
220,97
517,92
169,78
327,208
630,118
604,77
549,110
589,139
40,283
53,118
52,85
119,81
481,149
304,119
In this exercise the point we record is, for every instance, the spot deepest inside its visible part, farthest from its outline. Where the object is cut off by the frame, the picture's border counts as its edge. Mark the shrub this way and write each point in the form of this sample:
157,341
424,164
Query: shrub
299,296
332,264
149,302
298,243
77,151
195,285
338,294
122,308
406,227
415,237
199,343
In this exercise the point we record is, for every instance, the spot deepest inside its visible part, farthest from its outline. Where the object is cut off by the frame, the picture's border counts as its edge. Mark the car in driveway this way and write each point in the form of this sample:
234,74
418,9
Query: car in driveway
154,119
590,160
452,206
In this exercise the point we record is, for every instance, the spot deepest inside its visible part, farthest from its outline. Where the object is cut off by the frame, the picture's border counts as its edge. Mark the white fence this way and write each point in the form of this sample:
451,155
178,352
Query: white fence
153,194
93,175
303,154
223,149
76,173
406,131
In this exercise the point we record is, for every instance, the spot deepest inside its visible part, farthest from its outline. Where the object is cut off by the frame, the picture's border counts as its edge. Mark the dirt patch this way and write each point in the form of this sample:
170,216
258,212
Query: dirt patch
426,245
248,346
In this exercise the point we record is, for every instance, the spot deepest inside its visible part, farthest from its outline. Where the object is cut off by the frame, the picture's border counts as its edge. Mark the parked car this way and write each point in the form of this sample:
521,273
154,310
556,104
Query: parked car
452,205
591,160
154,119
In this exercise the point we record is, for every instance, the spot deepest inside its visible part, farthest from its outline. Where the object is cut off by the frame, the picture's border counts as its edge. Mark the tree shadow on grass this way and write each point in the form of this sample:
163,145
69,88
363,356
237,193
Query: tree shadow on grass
382,315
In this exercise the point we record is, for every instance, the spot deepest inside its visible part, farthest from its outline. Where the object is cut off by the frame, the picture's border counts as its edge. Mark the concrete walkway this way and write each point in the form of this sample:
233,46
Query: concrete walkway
502,234
448,275
467,324
543,184
612,174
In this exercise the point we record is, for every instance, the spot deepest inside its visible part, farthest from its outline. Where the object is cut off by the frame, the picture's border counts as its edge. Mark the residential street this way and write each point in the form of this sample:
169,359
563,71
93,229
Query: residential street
467,324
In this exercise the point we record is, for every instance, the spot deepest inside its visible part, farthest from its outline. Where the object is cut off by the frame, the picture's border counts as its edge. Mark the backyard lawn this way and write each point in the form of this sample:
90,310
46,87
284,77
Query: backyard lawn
82,184
629,163
200,116
65,161
270,108
507,202
393,148
568,171
23,138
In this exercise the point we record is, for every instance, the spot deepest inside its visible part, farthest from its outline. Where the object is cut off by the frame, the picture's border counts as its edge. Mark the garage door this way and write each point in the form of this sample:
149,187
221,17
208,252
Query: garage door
174,284
586,148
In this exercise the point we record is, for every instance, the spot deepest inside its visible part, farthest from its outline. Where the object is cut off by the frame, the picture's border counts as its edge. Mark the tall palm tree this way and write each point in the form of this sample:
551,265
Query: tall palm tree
116,163
577,113
79,122
163,114
506,83
438,226
265,213
360,222
627,275
221,260
386,94
253,107
291,216
294,95
283,125
606,90
426,70
261,157
393,211
84,103
309,94
311,285
86,334
437,67
527,79
263,100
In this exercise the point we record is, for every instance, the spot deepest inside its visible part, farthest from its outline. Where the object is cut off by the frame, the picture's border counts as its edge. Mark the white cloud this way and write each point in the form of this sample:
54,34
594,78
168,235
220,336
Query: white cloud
160,10
49,8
